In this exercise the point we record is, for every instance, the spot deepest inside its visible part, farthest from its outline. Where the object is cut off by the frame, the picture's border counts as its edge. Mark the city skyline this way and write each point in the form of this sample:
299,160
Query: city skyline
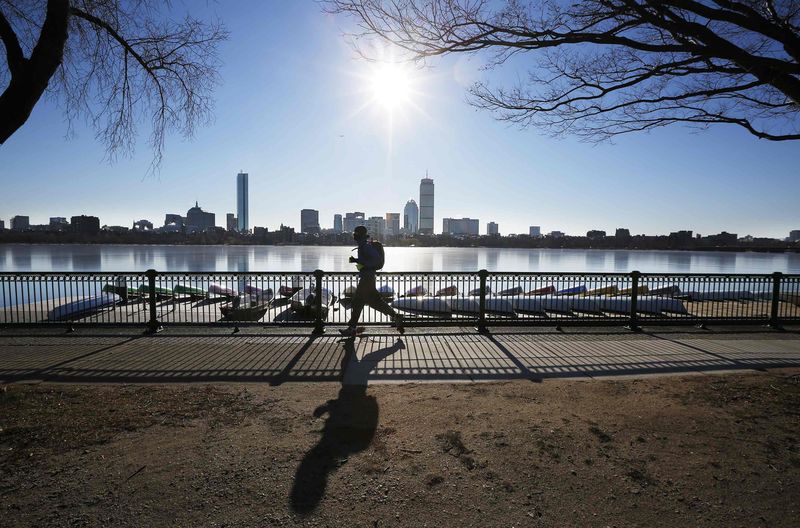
379,226
325,135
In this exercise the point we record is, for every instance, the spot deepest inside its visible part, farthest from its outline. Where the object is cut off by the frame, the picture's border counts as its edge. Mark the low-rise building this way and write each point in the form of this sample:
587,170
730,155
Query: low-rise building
353,220
20,223
721,239
231,222
460,226
171,228
58,223
376,227
392,224
85,225
143,225
115,229
172,218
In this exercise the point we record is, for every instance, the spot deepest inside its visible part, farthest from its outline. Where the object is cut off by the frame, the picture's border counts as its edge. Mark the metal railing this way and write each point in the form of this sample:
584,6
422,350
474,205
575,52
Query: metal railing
317,299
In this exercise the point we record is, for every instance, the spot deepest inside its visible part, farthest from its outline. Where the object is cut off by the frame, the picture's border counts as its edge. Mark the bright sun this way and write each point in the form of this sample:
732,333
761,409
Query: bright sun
390,84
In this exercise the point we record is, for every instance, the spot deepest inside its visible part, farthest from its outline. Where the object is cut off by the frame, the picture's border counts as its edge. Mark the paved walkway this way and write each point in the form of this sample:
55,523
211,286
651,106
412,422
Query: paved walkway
422,356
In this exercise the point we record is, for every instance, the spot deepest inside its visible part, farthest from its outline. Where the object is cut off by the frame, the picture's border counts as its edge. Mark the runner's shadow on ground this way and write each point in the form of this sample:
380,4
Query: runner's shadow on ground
349,428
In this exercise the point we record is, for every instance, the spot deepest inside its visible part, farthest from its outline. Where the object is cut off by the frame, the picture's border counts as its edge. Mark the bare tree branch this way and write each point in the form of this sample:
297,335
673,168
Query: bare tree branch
29,77
609,67
14,54
124,63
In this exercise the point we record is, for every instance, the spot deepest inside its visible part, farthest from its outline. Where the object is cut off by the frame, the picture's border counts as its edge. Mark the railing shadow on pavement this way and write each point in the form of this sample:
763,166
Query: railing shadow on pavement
434,356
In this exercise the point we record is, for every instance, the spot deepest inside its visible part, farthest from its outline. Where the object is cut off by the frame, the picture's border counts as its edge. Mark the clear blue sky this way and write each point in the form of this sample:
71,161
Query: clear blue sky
291,112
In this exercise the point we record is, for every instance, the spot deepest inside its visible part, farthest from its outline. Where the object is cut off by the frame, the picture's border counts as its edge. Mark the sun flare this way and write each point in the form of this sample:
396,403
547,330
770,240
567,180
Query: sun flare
390,85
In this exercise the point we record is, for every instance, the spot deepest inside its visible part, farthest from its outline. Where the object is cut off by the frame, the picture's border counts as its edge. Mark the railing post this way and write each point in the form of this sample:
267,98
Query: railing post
319,327
633,323
774,314
153,325
482,274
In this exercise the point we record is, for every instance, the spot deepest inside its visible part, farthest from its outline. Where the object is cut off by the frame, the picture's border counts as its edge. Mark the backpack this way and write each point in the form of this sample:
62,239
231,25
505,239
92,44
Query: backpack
381,254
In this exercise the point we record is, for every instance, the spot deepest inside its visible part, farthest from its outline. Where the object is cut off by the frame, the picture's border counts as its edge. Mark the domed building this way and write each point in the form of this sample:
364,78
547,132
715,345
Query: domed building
198,220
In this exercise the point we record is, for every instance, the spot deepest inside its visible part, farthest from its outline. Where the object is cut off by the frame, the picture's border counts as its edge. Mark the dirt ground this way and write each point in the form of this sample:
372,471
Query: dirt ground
711,450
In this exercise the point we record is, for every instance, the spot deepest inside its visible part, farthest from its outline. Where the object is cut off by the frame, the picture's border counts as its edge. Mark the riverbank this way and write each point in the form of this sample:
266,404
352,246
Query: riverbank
293,258
219,237
697,450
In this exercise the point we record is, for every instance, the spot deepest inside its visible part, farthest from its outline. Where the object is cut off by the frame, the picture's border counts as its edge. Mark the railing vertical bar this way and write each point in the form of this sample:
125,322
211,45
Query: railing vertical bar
774,318
153,324
319,327
633,324
482,275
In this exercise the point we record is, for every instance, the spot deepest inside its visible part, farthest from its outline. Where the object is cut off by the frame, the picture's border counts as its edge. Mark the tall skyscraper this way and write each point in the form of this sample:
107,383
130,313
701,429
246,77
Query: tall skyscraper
309,221
337,223
426,206
242,202
411,217
392,224
492,229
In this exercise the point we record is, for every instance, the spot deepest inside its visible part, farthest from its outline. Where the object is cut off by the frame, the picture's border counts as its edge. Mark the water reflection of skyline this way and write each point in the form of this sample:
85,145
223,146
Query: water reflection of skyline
24,258
622,262
595,261
534,256
21,259
89,258
714,262
60,261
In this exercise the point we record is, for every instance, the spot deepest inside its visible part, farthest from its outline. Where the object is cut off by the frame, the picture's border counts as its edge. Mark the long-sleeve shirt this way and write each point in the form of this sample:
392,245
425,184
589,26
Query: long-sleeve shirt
368,259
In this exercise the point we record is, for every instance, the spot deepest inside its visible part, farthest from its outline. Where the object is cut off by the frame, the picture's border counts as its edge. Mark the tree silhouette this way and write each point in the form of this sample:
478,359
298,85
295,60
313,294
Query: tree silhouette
609,67
114,62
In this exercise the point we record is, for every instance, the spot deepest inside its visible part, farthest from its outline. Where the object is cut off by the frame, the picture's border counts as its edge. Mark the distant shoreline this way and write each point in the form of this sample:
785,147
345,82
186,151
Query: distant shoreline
793,248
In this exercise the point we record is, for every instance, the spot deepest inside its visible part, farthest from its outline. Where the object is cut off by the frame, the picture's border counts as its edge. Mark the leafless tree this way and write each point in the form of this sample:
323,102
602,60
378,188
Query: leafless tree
115,62
609,67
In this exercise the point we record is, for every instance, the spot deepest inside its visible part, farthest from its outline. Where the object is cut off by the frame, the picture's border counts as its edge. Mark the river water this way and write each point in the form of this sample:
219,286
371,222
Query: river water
132,258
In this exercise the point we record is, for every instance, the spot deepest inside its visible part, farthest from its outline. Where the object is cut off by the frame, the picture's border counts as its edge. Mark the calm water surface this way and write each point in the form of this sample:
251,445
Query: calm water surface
20,257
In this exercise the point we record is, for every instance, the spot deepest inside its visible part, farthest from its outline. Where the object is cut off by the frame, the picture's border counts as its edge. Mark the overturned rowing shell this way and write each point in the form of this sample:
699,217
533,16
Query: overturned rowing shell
471,305
423,305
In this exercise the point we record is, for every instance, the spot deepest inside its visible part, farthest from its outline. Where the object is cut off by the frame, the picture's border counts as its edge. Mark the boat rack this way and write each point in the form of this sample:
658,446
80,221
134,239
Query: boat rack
154,299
